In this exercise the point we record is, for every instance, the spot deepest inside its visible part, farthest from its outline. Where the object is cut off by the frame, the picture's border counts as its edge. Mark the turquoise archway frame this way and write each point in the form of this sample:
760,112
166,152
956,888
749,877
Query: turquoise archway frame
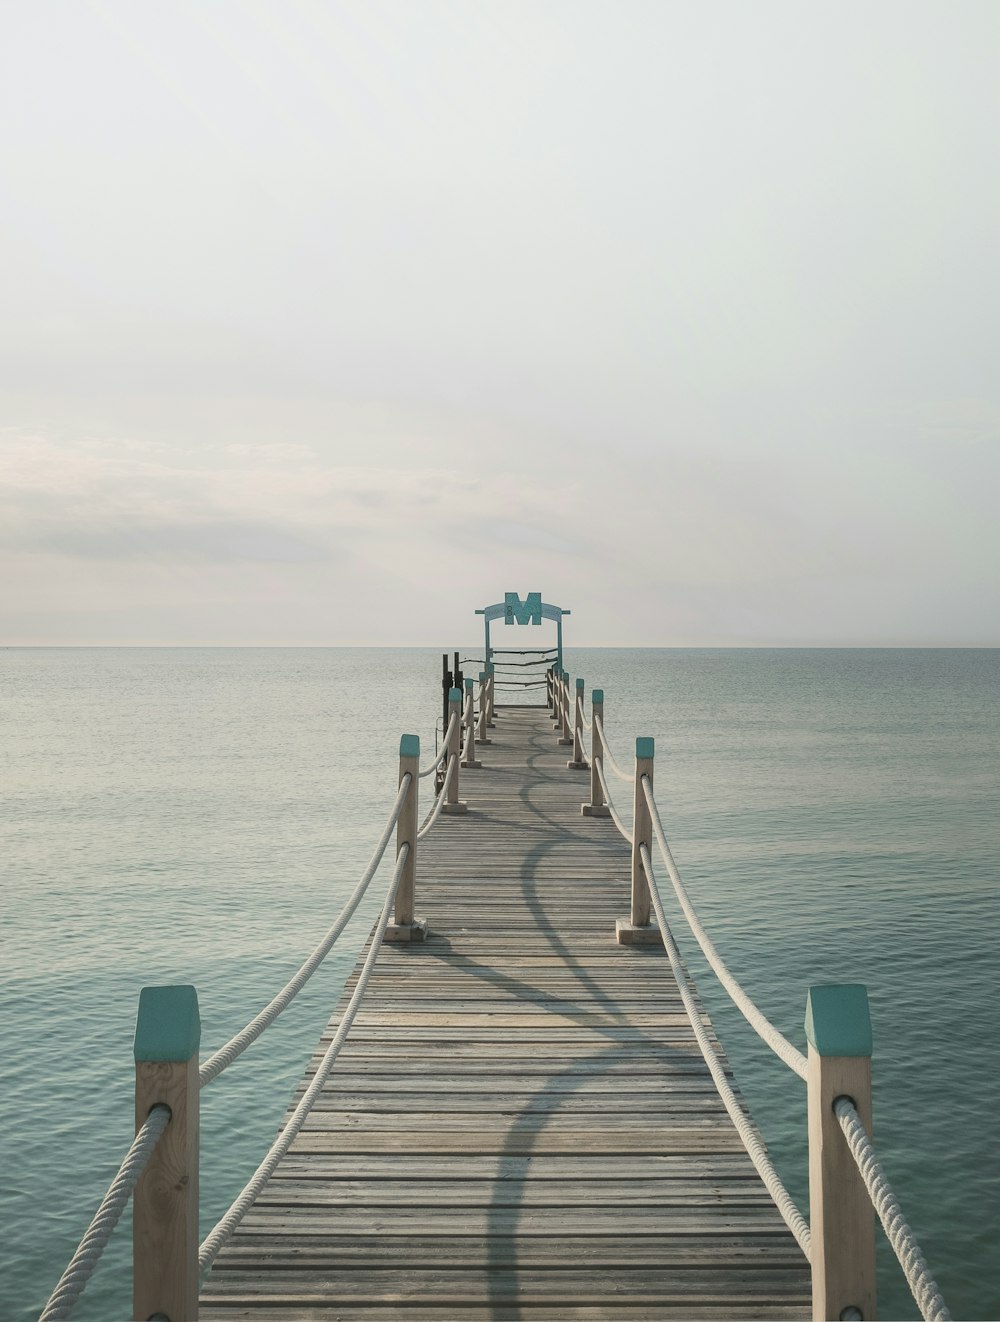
530,611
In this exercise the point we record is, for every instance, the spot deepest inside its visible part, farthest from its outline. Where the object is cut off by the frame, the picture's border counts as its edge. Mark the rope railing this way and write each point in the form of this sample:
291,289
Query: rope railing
184,1087
429,771
623,829
436,807
791,1215
235,1047
925,1290
840,1049
220,1235
757,1020
88,1254
622,775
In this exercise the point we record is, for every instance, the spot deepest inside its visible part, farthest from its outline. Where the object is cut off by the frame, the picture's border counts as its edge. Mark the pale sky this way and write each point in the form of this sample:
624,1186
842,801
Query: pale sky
326,322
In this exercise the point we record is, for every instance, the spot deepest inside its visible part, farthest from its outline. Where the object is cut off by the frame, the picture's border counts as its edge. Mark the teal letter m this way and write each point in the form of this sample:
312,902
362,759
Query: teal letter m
528,611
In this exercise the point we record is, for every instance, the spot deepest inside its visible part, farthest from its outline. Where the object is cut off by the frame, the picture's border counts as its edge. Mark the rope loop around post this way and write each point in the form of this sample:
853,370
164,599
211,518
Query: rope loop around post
924,1288
83,1263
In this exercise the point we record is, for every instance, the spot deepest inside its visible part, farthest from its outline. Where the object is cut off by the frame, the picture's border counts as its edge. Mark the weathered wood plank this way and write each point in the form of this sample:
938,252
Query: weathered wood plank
520,1124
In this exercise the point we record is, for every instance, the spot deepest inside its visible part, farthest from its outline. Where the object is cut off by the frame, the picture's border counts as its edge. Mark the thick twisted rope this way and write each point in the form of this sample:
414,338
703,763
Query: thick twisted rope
235,1047
923,1286
443,753
622,775
778,1043
610,805
435,811
223,1231
791,1215
81,1266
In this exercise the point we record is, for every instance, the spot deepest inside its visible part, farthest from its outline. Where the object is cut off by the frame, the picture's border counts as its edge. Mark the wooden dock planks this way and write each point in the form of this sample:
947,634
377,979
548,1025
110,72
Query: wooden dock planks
520,1125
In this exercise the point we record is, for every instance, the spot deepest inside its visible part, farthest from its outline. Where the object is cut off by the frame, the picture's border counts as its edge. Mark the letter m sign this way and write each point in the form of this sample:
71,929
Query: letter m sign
528,611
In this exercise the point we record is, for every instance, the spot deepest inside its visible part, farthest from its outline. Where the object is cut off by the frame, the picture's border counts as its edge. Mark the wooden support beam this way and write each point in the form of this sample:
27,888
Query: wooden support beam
165,1202
597,807
842,1220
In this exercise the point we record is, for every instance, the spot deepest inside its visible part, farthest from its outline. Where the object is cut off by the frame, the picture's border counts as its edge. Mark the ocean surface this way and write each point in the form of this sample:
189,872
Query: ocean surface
198,815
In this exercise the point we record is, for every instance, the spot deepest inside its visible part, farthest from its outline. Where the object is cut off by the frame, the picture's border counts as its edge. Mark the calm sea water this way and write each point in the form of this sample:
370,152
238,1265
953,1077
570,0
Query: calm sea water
198,815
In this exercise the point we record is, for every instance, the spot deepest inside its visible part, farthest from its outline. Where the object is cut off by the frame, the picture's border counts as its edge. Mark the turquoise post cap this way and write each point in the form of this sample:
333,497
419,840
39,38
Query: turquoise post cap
167,1025
490,667
409,745
579,683
454,695
644,746
596,695
468,684
565,675
483,675
837,1020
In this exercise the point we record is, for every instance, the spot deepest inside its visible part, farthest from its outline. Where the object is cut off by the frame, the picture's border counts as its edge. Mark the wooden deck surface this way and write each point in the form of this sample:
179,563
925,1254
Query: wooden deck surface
520,1125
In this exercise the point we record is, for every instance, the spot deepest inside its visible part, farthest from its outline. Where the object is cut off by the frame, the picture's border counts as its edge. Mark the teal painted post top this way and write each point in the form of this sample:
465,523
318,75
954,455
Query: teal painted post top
454,695
596,695
565,675
837,1020
644,746
409,745
468,685
483,675
579,685
167,1026
490,667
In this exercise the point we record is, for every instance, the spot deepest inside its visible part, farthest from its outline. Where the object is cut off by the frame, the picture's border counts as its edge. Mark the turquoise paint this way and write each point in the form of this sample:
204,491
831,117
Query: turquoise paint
483,675
579,685
597,695
837,1020
468,684
548,612
409,745
644,746
528,611
167,1025
454,695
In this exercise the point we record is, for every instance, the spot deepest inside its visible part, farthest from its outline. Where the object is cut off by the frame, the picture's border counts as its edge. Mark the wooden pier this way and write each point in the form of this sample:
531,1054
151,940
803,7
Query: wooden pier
520,1124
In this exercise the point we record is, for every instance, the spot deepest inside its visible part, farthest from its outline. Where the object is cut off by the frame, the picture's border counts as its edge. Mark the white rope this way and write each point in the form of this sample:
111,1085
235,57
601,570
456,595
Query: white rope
81,1266
220,1236
435,811
922,1284
444,750
611,807
791,1215
778,1043
235,1047
622,775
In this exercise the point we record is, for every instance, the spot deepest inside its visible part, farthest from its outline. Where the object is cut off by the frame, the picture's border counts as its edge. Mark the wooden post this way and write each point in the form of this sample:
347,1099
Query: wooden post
549,699
564,709
165,1202
452,803
639,930
469,752
578,761
597,806
406,927
491,714
484,708
557,693
841,1216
